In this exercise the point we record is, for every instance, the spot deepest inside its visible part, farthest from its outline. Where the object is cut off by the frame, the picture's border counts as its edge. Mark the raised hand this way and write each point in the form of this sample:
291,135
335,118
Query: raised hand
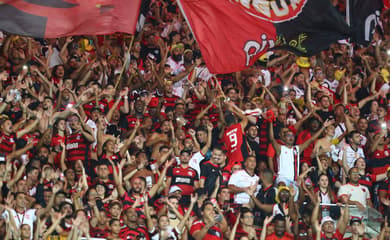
191,132
268,220
194,198
328,122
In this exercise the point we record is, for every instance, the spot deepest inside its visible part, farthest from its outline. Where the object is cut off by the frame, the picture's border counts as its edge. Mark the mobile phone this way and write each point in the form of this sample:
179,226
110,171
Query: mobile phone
218,218
24,159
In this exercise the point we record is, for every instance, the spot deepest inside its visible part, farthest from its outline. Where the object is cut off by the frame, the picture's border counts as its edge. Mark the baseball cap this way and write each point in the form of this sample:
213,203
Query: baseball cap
355,219
174,189
327,219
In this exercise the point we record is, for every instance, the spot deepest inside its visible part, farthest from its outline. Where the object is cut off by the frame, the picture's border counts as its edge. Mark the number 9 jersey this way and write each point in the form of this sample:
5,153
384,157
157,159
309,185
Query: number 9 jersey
233,139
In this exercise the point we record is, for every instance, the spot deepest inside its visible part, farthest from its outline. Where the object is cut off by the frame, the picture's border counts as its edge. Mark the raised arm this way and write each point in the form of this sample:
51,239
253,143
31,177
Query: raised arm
274,143
306,144
128,141
206,147
27,129
149,221
314,217
267,221
236,110
118,178
342,224
234,229
50,205
188,213
160,181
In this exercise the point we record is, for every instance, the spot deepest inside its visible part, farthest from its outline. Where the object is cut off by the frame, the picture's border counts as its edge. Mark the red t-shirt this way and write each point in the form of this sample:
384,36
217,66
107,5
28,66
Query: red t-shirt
233,139
303,137
286,236
336,236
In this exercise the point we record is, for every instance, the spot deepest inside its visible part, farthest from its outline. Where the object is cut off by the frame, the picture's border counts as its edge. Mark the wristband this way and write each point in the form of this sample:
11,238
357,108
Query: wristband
126,97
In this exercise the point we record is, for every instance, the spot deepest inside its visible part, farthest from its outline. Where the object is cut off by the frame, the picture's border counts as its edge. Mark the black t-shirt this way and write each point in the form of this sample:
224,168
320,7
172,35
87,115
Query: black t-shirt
325,114
145,50
210,172
265,196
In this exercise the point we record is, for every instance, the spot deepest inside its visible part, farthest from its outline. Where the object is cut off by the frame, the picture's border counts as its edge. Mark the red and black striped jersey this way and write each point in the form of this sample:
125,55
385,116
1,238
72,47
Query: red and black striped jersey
130,233
131,120
241,232
170,101
7,143
184,178
129,200
107,105
98,232
76,147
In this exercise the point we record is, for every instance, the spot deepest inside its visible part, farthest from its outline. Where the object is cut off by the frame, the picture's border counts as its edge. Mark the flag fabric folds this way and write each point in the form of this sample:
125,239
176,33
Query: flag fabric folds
58,18
316,27
232,34
364,18
229,38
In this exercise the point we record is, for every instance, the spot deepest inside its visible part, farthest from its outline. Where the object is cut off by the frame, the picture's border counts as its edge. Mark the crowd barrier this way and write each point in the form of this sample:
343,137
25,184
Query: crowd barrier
371,218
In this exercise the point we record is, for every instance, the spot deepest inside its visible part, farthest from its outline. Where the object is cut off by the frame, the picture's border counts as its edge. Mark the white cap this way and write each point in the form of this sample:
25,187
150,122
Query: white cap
327,219
174,189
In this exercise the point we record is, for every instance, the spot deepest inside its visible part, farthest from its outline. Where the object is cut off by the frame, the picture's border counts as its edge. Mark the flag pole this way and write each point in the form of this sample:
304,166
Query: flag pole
348,20
125,62
347,13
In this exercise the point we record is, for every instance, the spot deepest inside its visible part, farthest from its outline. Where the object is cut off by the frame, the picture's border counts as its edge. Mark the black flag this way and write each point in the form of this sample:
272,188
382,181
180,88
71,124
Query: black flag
364,18
315,29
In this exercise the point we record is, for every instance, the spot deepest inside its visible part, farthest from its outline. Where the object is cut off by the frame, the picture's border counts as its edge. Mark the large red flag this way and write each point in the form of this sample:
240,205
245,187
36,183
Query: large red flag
57,18
229,37
232,34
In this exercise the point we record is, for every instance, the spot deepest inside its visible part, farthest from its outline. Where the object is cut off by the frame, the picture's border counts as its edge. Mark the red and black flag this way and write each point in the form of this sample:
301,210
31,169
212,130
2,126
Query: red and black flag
232,34
317,26
57,18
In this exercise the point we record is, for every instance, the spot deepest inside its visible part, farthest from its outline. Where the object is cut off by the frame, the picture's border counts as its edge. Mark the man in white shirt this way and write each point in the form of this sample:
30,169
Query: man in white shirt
242,180
352,150
22,215
353,193
288,154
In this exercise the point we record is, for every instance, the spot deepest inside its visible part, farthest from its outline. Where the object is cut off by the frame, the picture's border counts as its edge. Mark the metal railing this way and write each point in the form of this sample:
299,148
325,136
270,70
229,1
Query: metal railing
371,218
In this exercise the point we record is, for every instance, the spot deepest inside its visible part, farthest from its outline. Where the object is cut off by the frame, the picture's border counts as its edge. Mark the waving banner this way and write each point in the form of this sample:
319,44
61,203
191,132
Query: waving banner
364,18
232,34
57,18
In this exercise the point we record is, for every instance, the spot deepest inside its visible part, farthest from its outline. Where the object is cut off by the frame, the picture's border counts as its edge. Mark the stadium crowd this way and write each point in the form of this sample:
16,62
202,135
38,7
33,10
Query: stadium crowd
131,137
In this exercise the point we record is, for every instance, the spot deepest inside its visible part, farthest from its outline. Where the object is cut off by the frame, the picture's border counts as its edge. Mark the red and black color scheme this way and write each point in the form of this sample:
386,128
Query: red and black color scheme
233,34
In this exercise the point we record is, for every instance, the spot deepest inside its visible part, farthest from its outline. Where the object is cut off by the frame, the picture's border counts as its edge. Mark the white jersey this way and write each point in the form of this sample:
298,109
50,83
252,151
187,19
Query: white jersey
351,155
26,217
176,67
288,163
242,179
359,193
